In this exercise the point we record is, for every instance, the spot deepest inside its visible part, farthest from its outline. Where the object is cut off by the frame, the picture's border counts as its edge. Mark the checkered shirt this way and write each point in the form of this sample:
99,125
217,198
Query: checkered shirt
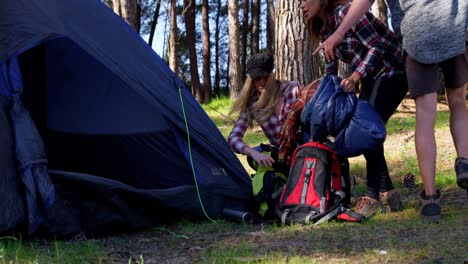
370,47
272,126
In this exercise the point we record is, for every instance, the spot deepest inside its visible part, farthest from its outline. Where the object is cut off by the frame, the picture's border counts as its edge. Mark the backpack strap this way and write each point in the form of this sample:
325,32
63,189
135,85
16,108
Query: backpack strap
309,217
332,214
335,211
284,215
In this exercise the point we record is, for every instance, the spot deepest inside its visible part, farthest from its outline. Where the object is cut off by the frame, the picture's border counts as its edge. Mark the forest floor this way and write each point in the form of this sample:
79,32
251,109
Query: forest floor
388,237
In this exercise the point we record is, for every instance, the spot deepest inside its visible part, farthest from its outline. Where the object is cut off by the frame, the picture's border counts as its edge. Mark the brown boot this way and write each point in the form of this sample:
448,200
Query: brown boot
430,207
391,199
367,206
461,169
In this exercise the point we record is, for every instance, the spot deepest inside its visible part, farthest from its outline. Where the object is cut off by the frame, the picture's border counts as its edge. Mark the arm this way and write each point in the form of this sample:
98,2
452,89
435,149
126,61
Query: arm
357,10
237,143
365,32
236,136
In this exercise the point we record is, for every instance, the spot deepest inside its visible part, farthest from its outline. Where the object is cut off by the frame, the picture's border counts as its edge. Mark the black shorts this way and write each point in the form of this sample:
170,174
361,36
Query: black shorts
424,78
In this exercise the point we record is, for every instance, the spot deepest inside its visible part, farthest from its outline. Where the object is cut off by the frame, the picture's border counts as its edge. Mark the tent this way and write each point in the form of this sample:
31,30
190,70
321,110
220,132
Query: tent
99,135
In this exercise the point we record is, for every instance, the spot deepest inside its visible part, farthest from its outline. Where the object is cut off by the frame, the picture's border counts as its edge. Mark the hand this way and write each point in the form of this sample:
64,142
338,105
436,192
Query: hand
262,159
349,84
329,45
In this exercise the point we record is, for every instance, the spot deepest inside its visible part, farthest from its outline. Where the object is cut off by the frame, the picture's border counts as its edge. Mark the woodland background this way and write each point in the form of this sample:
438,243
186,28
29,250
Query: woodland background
207,42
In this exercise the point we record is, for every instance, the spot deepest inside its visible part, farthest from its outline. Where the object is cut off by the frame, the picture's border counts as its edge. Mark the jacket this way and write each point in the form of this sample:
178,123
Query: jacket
354,123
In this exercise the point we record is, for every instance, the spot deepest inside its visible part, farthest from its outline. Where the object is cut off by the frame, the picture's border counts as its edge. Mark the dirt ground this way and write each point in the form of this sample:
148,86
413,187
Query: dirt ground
164,246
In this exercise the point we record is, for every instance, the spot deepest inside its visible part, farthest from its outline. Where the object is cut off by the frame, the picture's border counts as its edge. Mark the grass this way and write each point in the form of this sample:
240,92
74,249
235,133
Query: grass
13,250
392,237
406,124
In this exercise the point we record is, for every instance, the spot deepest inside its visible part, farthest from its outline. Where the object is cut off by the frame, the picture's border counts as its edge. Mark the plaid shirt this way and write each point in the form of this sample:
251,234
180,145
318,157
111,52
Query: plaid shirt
272,126
370,47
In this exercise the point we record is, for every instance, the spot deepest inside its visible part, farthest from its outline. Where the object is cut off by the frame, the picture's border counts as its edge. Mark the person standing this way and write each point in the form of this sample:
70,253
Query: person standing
376,58
434,37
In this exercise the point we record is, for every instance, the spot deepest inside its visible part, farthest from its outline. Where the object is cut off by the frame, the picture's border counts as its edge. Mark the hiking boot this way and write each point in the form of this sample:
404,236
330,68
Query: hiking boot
430,207
461,169
367,206
391,199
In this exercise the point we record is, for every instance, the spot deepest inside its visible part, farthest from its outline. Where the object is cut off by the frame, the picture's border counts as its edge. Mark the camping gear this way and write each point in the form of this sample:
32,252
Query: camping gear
239,216
316,188
267,182
31,160
267,185
125,142
354,123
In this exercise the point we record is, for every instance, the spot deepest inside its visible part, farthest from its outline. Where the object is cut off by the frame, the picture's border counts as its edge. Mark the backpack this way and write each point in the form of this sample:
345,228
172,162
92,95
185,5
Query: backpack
267,183
318,187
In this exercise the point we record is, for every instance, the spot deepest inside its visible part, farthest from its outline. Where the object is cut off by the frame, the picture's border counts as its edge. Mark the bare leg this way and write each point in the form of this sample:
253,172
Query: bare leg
425,139
458,119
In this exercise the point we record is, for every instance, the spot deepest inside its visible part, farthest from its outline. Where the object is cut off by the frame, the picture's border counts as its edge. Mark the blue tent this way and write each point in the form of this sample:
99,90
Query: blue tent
126,145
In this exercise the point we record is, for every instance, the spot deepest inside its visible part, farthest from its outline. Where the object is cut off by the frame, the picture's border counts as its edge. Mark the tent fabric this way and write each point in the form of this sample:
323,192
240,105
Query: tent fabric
13,215
30,154
109,111
10,78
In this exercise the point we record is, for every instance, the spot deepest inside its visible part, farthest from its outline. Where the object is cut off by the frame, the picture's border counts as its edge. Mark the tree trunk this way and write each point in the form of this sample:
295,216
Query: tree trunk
138,19
255,39
344,70
379,9
109,4
116,6
217,73
245,34
235,67
189,15
173,38
293,52
129,10
154,22
270,26
206,52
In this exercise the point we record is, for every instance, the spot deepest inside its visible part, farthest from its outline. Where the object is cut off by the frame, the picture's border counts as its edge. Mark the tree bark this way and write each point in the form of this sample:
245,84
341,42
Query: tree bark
235,67
129,10
270,26
109,4
217,78
154,22
189,15
245,34
344,70
293,52
173,38
255,39
206,52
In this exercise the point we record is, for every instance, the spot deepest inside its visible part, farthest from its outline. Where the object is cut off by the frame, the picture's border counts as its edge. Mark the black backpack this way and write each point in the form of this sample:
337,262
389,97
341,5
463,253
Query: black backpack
318,186
267,183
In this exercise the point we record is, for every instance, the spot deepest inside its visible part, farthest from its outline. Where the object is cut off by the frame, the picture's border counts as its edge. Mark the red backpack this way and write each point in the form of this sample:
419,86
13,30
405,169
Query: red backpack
317,188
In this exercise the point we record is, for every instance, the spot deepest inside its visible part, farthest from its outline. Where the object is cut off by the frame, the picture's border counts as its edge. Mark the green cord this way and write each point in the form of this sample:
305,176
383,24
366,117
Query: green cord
172,233
190,155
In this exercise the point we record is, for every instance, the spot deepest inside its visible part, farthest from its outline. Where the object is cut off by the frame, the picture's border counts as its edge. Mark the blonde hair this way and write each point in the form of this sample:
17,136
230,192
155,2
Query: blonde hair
265,105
